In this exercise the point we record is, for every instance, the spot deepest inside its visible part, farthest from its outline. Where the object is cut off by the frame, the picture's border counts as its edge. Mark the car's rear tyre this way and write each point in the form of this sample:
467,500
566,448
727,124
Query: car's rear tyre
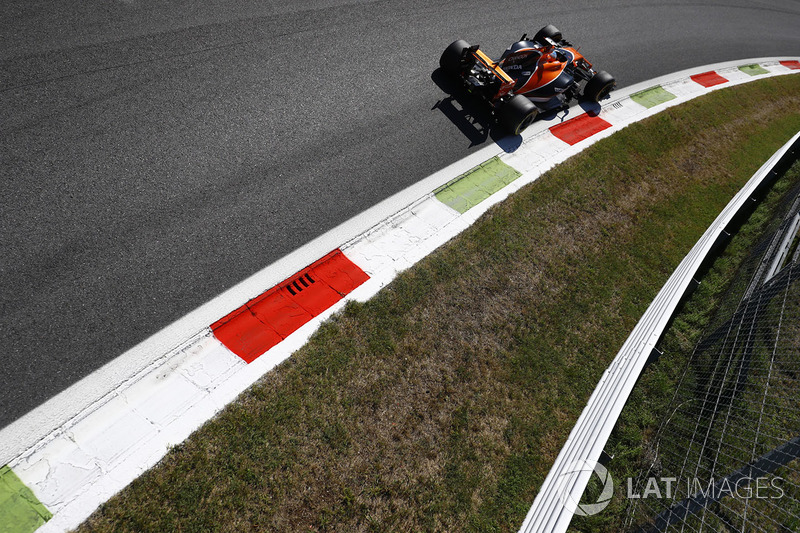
452,57
517,114
548,31
599,86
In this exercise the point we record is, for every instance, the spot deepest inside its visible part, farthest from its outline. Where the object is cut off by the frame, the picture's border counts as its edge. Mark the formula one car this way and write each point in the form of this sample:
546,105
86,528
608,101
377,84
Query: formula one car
538,74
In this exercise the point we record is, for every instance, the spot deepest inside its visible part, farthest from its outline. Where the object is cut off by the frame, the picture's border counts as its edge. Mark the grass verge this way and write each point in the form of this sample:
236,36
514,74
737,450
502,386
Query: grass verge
441,403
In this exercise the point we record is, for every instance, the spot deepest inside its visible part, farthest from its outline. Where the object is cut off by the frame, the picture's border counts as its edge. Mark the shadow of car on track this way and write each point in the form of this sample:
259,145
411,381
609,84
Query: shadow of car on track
470,114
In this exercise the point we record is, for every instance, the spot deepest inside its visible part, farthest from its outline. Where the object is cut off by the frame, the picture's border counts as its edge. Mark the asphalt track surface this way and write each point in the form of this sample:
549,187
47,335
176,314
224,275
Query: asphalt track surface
155,153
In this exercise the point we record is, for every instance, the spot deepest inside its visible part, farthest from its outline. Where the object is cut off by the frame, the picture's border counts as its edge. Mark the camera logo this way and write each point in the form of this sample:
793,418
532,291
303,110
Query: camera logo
567,480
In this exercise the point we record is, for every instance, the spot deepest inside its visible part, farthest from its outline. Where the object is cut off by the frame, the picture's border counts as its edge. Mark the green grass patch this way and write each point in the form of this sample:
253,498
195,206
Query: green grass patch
440,404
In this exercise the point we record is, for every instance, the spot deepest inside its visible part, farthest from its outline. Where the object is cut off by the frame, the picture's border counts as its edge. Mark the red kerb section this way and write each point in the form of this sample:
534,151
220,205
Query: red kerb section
266,320
794,65
579,128
709,79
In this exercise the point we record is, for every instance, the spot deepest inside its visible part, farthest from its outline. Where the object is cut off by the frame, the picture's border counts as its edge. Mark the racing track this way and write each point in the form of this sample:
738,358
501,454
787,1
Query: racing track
156,153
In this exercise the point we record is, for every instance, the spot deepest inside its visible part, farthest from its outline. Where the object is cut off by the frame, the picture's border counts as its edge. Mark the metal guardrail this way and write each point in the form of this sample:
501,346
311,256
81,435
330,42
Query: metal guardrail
564,485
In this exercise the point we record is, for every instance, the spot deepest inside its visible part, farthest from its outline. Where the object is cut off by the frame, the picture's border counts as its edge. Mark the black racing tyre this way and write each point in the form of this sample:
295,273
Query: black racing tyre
451,60
517,114
549,31
599,86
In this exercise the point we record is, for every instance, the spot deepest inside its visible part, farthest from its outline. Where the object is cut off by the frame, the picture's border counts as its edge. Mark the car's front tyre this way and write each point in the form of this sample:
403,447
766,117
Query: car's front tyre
548,32
599,86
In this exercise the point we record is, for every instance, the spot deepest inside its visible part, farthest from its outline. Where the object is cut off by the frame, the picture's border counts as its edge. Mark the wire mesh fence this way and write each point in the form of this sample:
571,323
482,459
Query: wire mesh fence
727,455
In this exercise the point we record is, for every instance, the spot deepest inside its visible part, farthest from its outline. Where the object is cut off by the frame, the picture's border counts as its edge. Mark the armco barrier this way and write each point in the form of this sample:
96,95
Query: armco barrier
584,446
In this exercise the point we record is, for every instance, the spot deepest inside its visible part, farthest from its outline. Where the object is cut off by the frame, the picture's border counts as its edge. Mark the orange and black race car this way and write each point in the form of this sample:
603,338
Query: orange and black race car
538,74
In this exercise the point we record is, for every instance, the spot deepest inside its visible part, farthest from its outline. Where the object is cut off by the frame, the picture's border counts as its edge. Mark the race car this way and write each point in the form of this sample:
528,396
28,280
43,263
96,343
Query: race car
538,74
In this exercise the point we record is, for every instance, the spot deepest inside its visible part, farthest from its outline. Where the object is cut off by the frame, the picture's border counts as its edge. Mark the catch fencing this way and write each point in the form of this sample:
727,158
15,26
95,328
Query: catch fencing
730,441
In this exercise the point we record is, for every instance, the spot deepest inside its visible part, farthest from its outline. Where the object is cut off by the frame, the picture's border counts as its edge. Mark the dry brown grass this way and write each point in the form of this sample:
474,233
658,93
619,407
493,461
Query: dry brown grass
440,404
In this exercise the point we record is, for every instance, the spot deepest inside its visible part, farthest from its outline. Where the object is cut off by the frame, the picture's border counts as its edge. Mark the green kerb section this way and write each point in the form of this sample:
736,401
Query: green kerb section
20,510
653,96
476,185
754,70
